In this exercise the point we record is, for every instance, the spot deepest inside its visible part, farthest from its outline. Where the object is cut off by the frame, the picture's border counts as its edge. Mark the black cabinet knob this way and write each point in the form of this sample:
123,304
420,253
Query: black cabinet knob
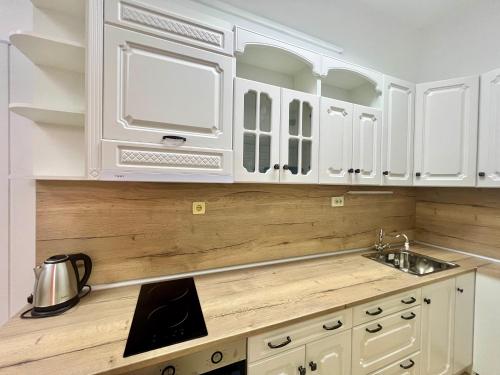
482,174
313,366
350,170
418,174
357,171
427,301
460,290
302,370
285,167
385,173
276,166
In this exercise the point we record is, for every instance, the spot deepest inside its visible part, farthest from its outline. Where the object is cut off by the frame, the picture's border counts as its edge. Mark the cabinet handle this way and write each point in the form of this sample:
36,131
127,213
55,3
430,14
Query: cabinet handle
302,370
385,173
286,167
481,174
412,363
418,174
357,170
427,301
174,138
460,290
276,166
350,170
409,301
412,315
331,328
313,366
379,327
284,343
379,311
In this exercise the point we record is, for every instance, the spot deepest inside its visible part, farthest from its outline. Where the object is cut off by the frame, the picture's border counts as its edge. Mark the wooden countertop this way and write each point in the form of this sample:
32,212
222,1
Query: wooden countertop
90,338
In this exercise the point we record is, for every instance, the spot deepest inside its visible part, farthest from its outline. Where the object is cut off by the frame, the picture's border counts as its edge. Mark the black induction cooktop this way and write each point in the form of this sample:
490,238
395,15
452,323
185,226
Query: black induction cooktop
166,313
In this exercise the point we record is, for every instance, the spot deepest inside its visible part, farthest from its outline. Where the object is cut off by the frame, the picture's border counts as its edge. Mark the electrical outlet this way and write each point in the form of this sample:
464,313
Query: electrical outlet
338,201
198,208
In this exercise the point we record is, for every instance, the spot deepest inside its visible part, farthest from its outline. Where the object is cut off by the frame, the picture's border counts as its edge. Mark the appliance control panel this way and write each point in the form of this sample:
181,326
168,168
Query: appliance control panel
200,362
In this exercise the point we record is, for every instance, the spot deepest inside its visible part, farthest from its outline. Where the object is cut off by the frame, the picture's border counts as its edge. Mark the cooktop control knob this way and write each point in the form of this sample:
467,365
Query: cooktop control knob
169,370
216,357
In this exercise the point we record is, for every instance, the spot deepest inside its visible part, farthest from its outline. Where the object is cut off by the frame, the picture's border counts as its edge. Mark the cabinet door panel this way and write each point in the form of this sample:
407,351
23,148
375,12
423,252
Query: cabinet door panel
286,363
335,150
299,137
397,137
155,88
256,131
438,318
464,322
331,355
489,130
367,137
406,366
446,132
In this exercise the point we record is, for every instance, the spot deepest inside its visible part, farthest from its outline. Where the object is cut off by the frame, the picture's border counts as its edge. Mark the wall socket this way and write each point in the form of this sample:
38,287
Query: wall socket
338,201
198,208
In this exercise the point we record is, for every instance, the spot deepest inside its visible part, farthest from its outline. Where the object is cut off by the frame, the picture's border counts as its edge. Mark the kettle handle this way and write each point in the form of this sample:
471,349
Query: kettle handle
87,262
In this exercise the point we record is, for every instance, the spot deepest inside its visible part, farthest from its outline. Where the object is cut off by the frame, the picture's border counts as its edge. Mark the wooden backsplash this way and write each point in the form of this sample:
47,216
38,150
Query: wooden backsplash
463,219
138,230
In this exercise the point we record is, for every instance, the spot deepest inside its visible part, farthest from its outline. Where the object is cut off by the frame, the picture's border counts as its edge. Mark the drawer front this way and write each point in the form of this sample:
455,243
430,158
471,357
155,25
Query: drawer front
153,20
282,339
386,340
386,306
126,161
407,366
286,363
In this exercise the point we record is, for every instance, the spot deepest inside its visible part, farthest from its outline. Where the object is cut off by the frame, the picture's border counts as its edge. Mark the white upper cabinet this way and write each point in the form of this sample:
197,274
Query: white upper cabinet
488,165
446,132
335,150
397,133
256,131
299,137
367,134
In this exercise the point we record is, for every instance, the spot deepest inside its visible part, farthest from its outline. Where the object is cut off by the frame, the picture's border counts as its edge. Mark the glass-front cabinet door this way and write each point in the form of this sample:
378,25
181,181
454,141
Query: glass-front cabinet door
299,137
256,131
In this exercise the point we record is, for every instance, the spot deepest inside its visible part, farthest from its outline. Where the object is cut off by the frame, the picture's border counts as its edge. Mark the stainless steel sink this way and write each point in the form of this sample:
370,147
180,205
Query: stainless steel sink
410,262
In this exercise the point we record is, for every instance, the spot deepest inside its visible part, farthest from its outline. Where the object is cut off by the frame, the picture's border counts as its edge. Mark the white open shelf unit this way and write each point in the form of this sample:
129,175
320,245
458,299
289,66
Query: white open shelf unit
56,46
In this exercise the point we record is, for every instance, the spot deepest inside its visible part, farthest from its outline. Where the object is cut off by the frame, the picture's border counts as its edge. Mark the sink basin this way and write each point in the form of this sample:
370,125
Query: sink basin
410,262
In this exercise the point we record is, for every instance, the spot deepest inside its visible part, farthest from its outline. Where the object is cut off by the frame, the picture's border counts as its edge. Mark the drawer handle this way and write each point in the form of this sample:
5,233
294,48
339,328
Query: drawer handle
336,326
412,363
284,343
379,311
379,328
177,138
409,301
412,315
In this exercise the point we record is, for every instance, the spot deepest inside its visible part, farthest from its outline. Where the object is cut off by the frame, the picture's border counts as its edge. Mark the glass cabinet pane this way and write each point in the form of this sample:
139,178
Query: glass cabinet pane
265,112
306,156
293,155
293,117
249,143
264,153
306,119
250,110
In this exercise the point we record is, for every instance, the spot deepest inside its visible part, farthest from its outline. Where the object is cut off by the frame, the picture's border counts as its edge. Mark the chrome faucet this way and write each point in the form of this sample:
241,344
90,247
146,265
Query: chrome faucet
407,241
380,245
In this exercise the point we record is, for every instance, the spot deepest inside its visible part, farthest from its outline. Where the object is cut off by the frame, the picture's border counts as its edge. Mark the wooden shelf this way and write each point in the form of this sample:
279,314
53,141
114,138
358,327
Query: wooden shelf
75,8
48,51
48,116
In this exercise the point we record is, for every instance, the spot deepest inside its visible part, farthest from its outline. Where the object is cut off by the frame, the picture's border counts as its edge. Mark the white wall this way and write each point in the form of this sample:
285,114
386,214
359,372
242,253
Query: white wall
464,42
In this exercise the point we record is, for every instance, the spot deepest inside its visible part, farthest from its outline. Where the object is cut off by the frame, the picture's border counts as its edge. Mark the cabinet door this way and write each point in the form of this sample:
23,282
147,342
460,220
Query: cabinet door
155,88
286,363
335,149
406,366
438,322
331,355
397,134
446,132
489,130
464,322
367,136
299,137
256,131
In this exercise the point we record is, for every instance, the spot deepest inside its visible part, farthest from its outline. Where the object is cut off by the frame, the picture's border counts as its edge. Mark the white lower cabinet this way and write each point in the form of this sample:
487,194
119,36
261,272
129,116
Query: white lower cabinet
331,355
406,366
290,362
383,341
464,322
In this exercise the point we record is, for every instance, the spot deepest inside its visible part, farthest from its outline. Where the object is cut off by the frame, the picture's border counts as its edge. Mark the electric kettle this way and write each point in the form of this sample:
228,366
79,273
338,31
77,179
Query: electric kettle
58,284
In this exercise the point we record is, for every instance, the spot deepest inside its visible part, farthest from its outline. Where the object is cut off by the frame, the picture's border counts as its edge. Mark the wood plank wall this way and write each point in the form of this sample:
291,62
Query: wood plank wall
460,218
138,230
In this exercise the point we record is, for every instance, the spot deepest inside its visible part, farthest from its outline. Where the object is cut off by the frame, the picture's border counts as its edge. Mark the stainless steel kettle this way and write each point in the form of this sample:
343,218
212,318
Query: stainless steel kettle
58,284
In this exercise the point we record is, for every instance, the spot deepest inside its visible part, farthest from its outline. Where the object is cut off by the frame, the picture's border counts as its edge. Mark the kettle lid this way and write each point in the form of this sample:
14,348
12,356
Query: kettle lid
56,259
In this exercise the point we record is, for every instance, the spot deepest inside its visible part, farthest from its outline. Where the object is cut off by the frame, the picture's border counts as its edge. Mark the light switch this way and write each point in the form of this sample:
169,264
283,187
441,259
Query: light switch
198,208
